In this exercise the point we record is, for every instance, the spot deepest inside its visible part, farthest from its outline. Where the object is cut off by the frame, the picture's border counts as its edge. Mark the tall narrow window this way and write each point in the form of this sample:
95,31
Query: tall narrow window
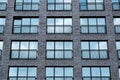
25,25
118,48
1,48
93,25
116,4
28,5
94,50
59,50
2,25
24,49
22,73
3,5
59,5
59,25
95,73
59,73
117,25
91,5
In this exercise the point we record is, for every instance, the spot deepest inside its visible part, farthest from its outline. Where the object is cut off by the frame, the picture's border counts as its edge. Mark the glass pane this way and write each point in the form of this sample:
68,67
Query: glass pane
91,6
58,71
103,45
24,45
89,1
93,45
94,54
34,21
68,45
67,1
26,29
95,71
101,29
32,54
58,45
115,0
84,45
69,72
17,30
116,6
34,45
1,29
59,54
68,54
25,21
92,21
84,29
51,6
34,29
32,72
35,1
103,54
1,45
23,54
2,21
117,29
22,71
105,71
59,1
83,21
15,54
67,29
85,54
50,45
100,1
59,6
50,54
51,1
50,21
17,22
101,21
99,6
118,45
59,21
67,6
93,29
116,21
86,71
35,6
67,21
49,71
50,29
13,71
15,45
59,29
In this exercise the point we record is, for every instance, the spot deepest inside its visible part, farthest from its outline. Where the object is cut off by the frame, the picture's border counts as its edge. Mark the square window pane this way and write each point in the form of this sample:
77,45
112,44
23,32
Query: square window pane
35,6
58,45
32,71
86,71
15,45
83,21
101,21
24,54
91,6
34,29
84,45
68,54
34,21
69,72
103,54
17,22
59,54
92,21
116,6
58,71
34,45
26,29
2,21
50,29
94,54
101,29
15,54
1,29
24,45
50,45
67,21
59,29
99,6
59,21
103,45
67,1
50,21
50,54
67,7
68,29
51,6
117,29
13,71
17,30
68,45
22,71
49,72
93,45
85,54
105,71
25,21
59,1
32,54
93,29
59,6
84,29
51,1
95,71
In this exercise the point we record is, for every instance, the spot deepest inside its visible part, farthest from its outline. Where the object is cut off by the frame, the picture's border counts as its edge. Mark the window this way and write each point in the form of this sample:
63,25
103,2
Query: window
26,25
1,48
22,73
59,25
116,4
118,48
59,50
59,73
94,49
24,49
91,5
59,5
117,25
3,5
27,5
2,25
93,25
95,73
